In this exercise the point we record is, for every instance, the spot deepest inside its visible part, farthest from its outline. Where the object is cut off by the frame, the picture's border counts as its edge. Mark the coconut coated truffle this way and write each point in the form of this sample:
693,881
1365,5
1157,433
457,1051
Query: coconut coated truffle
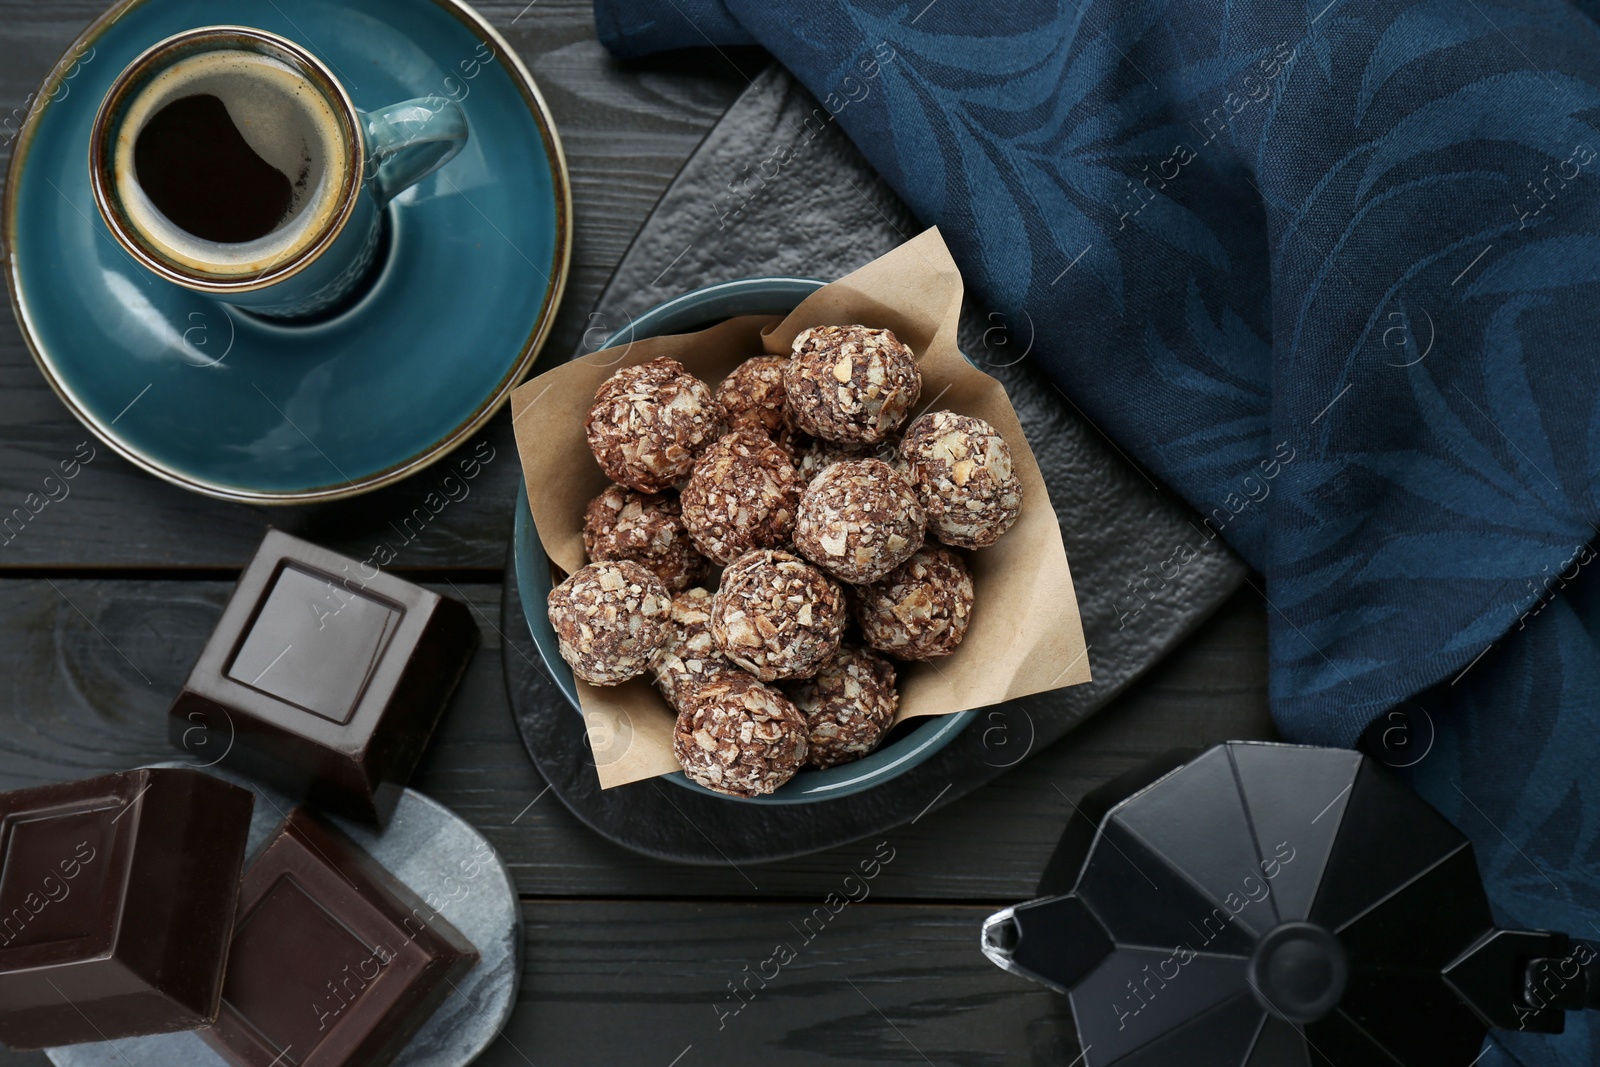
848,706
610,620
850,383
689,656
742,496
962,470
649,422
859,520
753,398
777,616
919,610
623,523
813,455
737,736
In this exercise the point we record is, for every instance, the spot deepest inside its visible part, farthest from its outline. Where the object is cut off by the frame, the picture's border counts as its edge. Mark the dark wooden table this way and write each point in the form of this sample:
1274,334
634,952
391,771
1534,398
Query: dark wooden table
107,596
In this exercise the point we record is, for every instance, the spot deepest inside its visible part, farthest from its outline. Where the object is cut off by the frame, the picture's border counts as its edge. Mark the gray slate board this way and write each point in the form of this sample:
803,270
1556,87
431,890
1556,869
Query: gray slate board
734,212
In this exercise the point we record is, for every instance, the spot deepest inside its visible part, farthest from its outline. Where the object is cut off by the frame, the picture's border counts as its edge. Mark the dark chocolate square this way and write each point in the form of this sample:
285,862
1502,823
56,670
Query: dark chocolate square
315,644
335,963
293,962
324,677
39,850
117,901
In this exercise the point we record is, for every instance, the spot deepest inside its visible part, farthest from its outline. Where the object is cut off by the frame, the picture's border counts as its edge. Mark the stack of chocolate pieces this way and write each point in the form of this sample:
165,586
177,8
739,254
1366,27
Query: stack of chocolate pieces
127,904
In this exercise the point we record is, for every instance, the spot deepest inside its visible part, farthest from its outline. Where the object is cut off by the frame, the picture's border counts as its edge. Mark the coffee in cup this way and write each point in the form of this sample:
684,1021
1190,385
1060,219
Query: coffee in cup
231,161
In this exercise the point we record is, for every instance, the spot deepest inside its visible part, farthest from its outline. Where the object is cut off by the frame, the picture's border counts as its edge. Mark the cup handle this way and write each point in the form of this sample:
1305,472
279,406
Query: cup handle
408,141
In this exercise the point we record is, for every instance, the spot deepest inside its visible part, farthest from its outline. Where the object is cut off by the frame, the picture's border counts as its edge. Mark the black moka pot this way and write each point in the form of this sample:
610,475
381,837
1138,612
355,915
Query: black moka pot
1270,905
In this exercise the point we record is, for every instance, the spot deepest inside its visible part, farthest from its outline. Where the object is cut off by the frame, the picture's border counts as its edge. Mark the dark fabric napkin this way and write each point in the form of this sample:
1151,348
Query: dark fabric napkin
1332,271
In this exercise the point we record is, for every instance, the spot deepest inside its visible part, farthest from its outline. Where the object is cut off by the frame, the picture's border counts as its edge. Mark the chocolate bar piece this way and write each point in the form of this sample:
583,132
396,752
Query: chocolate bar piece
325,678
116,904
335,963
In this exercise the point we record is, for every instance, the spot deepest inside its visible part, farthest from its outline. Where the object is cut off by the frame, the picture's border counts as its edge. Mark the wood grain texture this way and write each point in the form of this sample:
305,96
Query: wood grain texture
681,985
626,130
611,983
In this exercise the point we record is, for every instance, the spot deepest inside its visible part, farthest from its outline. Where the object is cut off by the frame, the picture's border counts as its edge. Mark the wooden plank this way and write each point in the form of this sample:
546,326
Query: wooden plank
665,985
90,667
692,984
626,130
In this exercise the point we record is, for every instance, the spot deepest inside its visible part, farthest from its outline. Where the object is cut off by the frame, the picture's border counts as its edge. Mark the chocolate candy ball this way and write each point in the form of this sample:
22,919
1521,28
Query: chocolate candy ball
623,523
776,615
919,610
689,656
850,383
962,470
753,398
813,455
859,520
848,706
742,496
737,736
610,620
649,422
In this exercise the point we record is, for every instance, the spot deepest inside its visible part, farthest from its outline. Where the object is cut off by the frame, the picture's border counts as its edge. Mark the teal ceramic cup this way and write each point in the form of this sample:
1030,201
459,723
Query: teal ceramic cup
272,199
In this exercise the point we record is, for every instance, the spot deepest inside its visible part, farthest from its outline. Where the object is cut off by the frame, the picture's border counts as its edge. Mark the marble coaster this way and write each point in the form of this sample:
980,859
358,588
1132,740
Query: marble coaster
445,862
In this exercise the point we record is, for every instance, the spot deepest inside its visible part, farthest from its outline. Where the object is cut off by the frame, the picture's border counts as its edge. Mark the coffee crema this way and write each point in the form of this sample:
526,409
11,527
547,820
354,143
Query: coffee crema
207,149
200,172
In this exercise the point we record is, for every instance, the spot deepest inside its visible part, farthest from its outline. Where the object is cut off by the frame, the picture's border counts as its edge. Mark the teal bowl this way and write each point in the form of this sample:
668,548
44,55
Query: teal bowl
910,744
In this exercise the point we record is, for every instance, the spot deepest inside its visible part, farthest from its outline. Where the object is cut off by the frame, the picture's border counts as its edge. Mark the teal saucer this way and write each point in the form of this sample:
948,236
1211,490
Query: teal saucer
704,307
225,404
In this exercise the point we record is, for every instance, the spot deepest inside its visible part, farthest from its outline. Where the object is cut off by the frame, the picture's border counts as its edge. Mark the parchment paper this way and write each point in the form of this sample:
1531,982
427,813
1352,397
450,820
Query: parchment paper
1025,635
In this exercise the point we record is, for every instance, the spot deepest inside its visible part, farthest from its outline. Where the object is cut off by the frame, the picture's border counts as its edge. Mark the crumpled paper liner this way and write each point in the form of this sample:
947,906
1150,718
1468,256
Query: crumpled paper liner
1025,636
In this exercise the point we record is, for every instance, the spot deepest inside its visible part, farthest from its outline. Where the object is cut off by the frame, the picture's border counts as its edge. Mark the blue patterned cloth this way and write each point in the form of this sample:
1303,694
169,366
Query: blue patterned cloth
1332,271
